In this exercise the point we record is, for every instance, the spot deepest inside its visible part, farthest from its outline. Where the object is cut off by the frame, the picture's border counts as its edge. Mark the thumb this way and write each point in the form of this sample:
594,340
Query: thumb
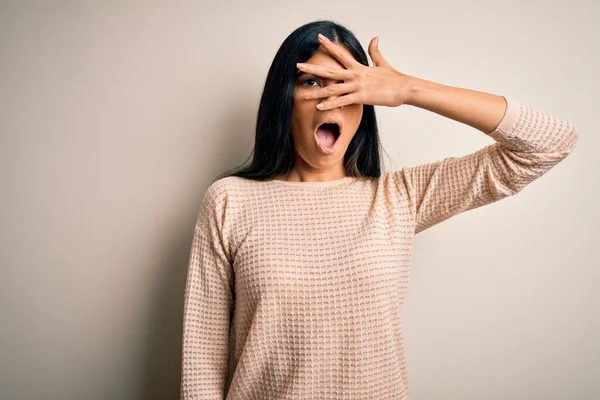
375,54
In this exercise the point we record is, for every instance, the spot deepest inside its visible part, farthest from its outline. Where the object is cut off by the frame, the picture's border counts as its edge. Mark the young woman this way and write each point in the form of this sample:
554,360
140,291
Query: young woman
300,261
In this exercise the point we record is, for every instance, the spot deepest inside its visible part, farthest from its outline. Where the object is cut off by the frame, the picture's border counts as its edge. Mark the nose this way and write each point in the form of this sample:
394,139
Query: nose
332,98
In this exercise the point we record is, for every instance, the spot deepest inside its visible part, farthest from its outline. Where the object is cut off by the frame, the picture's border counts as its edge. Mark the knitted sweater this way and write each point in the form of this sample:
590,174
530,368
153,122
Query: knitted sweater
294,289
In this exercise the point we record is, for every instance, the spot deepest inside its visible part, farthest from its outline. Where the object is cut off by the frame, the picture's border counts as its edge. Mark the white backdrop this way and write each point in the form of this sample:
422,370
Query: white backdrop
115,117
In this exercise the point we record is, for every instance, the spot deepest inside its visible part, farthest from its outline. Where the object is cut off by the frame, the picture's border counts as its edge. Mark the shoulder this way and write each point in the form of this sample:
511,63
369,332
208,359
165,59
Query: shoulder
394,178
396,185
216,190
219,189
222,192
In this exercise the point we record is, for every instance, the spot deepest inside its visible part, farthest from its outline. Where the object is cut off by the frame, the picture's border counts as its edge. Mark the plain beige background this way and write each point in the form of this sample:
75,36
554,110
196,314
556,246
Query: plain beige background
116,115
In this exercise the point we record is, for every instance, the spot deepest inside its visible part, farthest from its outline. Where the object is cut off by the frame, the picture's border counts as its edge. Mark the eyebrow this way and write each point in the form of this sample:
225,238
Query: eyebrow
300,73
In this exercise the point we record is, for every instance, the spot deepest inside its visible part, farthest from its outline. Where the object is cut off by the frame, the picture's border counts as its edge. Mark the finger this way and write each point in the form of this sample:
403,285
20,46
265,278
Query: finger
338,51
352,98
375,54
332,90
340,74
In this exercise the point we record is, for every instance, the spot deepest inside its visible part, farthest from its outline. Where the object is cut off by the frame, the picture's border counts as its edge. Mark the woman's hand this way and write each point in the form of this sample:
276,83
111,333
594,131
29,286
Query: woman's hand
378,85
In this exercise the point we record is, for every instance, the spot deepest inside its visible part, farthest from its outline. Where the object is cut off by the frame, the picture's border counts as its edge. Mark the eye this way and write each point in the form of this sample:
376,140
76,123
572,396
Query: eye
309,80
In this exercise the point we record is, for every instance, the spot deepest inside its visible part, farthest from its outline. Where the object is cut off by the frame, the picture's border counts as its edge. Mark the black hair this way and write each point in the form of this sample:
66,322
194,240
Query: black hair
274,151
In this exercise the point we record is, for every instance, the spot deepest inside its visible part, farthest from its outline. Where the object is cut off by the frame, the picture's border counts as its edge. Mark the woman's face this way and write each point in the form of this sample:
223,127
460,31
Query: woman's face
306,118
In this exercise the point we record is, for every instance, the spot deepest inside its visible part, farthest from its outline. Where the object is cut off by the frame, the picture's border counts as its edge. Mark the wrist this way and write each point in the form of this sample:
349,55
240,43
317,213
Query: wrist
415,87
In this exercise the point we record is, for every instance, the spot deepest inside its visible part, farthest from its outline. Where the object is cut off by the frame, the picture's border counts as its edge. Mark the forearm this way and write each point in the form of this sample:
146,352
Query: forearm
480,110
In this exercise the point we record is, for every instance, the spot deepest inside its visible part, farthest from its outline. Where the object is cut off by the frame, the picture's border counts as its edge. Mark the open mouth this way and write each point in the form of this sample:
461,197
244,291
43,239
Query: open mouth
327,135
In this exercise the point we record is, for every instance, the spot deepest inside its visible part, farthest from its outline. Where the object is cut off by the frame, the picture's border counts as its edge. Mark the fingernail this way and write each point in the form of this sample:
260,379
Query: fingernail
301,65
320,105
376,40
322,37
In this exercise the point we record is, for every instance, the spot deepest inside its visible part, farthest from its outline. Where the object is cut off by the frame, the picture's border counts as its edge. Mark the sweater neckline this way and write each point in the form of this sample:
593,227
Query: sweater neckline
333,182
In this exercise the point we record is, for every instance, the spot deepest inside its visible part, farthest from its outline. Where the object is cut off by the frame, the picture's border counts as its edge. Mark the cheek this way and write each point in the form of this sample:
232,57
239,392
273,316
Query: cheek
353,115
303,114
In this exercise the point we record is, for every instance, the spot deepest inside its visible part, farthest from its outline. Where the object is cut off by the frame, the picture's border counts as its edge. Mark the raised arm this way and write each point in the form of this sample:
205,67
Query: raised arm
529,142
481,110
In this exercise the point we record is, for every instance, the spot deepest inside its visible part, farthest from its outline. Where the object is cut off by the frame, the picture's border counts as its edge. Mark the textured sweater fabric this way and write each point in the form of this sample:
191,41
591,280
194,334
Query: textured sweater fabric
294,289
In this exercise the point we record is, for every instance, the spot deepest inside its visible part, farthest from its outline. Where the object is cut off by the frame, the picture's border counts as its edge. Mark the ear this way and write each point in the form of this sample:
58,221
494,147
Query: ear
375,54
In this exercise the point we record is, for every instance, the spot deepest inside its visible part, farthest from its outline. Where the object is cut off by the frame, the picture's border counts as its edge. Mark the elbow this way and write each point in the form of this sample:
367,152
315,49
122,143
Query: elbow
569,141
561,146
566,147
573,138
510,172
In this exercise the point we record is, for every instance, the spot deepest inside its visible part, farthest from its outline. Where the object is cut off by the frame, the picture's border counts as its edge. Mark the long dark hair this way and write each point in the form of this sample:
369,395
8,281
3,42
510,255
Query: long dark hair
274,151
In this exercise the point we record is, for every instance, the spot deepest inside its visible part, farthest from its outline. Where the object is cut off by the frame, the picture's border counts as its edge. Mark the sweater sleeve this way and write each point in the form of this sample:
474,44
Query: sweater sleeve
528,143
208,306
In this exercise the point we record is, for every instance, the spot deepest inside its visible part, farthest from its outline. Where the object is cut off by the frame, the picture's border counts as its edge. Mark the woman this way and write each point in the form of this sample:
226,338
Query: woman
300,261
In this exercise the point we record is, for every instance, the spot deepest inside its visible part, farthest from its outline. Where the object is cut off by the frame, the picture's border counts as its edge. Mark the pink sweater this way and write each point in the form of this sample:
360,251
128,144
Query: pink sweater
300,284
